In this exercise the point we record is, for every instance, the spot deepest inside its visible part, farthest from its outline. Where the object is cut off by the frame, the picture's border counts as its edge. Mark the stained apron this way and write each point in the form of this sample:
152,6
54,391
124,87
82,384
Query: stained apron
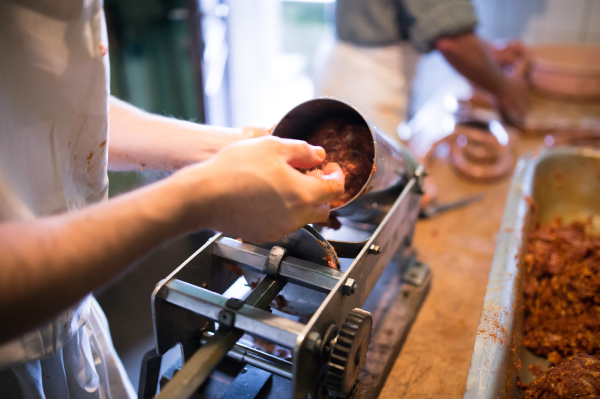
54,91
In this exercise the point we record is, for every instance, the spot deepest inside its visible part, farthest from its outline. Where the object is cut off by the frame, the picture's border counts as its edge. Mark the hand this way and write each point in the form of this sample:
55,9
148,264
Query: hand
257,194
481,63
511,54
512,99
251,132
514,58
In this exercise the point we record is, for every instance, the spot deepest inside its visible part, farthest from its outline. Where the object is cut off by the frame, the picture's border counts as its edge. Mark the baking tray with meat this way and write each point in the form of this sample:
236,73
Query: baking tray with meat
562,290
556,183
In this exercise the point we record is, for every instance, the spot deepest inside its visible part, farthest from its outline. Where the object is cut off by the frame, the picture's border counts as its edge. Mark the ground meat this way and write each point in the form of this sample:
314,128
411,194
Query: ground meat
235,269
522,385
330,256
535,369
272,349
562,291
575,377
280,302
350,145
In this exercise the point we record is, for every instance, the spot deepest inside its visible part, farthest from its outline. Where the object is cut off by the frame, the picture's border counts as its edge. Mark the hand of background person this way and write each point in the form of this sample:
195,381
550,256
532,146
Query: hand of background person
485,66
514,58
512,99
514,54
256,192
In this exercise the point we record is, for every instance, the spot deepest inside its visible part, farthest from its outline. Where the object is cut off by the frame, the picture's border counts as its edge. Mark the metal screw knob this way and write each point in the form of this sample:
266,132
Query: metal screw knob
420,174
350,287
374,249
314,342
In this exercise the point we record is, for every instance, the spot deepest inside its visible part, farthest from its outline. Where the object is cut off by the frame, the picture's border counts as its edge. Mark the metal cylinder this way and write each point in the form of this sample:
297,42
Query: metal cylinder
393,165
265,361
256,358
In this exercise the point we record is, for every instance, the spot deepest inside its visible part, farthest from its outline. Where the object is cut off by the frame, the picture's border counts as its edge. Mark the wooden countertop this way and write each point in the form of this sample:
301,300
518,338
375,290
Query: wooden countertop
459,247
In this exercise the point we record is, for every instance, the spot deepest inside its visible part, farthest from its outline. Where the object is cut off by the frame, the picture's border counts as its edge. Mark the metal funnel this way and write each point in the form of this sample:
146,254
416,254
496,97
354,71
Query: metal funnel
393,164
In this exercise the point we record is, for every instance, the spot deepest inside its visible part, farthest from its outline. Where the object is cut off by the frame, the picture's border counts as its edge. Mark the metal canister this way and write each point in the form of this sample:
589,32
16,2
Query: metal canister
393,165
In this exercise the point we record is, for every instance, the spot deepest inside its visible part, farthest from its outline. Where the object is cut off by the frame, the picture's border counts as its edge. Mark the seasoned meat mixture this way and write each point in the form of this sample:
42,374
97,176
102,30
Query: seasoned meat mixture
350,145
562,291
575,377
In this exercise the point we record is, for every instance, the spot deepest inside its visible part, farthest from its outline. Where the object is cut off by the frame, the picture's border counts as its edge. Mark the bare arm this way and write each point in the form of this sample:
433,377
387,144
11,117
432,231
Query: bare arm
50,263
140,140
469,55
249,190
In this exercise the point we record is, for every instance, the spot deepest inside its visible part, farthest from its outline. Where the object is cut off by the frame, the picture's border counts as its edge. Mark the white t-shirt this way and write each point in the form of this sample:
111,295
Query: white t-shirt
54,91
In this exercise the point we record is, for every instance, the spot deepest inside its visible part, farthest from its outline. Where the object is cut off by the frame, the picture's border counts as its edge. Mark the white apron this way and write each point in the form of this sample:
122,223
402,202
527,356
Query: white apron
54,88
376,80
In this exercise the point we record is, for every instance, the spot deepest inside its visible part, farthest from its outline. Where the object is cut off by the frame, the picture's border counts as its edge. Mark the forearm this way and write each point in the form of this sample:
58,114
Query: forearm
470,57
140,140
50,263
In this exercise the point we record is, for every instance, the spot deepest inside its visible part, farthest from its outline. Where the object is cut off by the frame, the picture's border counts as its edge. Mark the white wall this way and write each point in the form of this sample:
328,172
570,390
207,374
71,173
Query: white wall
255,36
540,21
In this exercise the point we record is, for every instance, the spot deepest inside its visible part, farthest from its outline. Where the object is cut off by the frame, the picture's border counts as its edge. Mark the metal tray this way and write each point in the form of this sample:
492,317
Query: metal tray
563,182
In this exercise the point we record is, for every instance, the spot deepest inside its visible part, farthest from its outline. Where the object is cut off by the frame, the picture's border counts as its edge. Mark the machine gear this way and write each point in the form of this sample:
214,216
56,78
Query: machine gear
349,353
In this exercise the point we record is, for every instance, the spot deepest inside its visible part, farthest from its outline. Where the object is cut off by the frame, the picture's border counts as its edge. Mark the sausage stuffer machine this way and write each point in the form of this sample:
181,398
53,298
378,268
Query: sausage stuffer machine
298,301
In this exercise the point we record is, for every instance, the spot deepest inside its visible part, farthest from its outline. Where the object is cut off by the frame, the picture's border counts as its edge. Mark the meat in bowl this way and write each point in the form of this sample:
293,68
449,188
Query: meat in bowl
350,145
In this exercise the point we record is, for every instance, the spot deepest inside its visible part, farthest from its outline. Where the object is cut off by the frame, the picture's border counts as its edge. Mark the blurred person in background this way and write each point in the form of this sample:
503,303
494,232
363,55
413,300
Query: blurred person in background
372,63
60,238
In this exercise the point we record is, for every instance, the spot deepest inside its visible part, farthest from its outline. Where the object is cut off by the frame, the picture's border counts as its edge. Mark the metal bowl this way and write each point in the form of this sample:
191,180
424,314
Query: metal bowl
567,70
393,165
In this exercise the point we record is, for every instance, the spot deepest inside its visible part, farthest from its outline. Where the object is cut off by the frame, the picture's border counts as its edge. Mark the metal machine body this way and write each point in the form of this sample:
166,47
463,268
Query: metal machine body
189,302
184,309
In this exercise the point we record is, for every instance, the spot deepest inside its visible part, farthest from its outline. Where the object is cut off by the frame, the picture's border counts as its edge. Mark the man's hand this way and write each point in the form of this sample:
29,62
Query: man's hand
472,57
514,58
251,132
513,54
249,190
512,99
258,195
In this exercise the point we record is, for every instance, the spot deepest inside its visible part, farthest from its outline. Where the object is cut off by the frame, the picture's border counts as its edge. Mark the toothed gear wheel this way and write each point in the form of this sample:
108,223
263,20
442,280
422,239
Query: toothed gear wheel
349,353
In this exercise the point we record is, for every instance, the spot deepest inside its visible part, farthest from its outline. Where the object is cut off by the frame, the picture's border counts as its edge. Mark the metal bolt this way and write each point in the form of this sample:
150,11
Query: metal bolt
350,287
313,342
329,339
420,174
374,249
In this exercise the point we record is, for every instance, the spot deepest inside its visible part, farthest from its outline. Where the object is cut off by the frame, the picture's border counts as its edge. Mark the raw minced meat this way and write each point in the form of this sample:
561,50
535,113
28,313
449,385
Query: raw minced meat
350,145
575,377
562,291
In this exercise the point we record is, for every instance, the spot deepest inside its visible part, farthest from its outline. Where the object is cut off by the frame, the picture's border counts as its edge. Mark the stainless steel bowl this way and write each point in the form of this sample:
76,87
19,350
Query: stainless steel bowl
393,164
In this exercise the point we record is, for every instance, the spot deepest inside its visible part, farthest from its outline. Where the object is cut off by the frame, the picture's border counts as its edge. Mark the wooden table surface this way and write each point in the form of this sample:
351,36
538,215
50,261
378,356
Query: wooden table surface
459,247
